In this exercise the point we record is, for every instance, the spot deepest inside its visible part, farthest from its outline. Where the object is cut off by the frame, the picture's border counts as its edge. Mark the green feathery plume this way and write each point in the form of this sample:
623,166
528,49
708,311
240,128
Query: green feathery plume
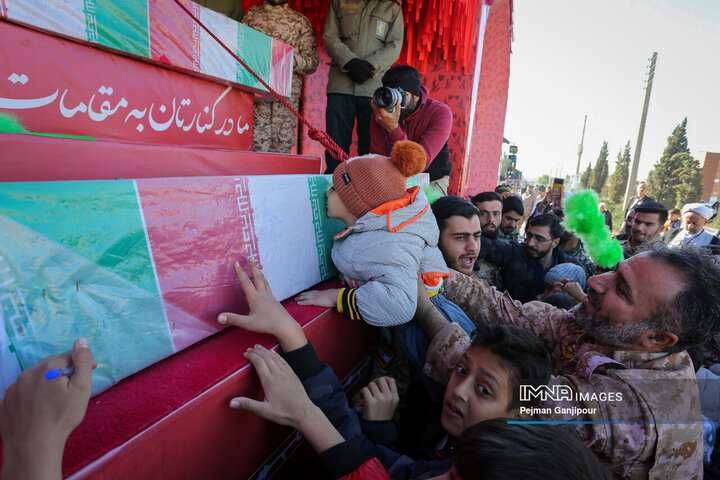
583,217
431,194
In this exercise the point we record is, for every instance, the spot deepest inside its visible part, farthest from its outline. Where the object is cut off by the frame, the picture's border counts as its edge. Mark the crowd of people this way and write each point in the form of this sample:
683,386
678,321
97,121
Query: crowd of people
552,372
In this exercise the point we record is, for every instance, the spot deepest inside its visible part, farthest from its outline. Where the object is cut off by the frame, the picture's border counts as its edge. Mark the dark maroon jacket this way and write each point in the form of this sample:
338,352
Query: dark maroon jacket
429,126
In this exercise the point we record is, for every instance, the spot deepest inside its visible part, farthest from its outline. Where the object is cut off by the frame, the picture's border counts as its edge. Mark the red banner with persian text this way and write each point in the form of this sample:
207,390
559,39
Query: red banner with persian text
61,87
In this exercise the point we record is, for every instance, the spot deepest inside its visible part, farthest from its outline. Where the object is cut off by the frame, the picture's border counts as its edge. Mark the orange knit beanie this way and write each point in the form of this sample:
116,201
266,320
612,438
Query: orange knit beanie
366,182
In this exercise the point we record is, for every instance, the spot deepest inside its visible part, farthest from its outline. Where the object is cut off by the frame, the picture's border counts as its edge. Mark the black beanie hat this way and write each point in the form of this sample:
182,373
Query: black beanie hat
405,77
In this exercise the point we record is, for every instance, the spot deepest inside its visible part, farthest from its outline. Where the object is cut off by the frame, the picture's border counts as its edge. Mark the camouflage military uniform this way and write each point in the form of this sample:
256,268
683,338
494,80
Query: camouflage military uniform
274,125
652,243
509,237
579,254
653,431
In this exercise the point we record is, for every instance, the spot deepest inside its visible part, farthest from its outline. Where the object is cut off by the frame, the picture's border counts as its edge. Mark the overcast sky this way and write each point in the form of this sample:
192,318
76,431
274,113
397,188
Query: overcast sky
576,57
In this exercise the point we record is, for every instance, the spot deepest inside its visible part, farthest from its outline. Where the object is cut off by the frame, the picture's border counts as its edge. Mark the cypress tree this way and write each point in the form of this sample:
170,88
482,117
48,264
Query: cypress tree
664,179
619,178
600,172
585,176
689,188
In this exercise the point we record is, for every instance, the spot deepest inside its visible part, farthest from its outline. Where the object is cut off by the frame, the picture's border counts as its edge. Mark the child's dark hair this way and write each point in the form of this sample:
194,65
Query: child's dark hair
450,206
521,353
497,450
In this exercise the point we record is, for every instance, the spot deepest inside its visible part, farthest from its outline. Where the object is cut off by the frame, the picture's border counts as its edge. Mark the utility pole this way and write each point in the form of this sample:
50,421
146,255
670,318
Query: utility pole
580,147
638,146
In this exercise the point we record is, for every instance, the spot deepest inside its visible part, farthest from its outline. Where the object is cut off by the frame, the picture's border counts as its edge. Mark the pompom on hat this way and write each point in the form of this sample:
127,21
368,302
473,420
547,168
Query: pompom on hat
364,183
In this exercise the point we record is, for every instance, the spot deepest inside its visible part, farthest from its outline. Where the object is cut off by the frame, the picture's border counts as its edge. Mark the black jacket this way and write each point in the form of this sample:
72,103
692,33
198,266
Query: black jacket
326,391
518,271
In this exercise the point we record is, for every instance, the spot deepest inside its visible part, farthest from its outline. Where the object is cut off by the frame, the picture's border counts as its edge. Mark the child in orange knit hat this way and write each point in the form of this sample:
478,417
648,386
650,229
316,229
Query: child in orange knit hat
391,235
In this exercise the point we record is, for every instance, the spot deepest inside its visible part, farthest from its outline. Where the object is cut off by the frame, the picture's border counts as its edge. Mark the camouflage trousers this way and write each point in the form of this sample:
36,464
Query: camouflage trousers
274,126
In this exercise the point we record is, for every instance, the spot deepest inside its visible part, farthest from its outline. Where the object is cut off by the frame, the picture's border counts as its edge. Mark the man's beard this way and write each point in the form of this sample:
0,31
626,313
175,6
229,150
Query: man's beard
491,234
611,333
535,253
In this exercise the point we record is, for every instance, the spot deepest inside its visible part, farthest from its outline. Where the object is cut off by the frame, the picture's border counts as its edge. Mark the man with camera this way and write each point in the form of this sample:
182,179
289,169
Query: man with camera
403,110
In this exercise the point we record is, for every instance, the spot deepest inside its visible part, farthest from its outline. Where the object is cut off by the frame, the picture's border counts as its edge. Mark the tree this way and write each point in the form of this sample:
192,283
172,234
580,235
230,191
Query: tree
599,175
543,179
619,178
664,178
690,179
586,175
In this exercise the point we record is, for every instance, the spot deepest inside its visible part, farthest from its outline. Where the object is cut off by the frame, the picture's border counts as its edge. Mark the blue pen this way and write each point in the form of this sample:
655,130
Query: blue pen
59,372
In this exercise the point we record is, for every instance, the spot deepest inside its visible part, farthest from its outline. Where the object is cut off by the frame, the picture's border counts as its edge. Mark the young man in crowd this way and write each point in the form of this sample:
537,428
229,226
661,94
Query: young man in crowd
460,232
647,225
512,213
621,371
489,204
425,121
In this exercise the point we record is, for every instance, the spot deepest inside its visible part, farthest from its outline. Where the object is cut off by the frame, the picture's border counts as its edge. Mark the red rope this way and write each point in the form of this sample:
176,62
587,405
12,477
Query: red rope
314,133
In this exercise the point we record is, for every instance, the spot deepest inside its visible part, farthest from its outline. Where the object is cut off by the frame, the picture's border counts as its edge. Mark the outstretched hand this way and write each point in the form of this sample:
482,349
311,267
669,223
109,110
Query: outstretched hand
321,298
286,401
266,314
37,414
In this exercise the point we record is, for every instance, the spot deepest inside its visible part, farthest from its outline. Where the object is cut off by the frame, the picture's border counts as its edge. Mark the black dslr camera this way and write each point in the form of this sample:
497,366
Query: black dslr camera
388,98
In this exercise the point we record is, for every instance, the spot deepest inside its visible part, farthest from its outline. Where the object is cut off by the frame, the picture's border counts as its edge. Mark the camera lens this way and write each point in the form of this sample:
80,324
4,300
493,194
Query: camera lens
384,97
